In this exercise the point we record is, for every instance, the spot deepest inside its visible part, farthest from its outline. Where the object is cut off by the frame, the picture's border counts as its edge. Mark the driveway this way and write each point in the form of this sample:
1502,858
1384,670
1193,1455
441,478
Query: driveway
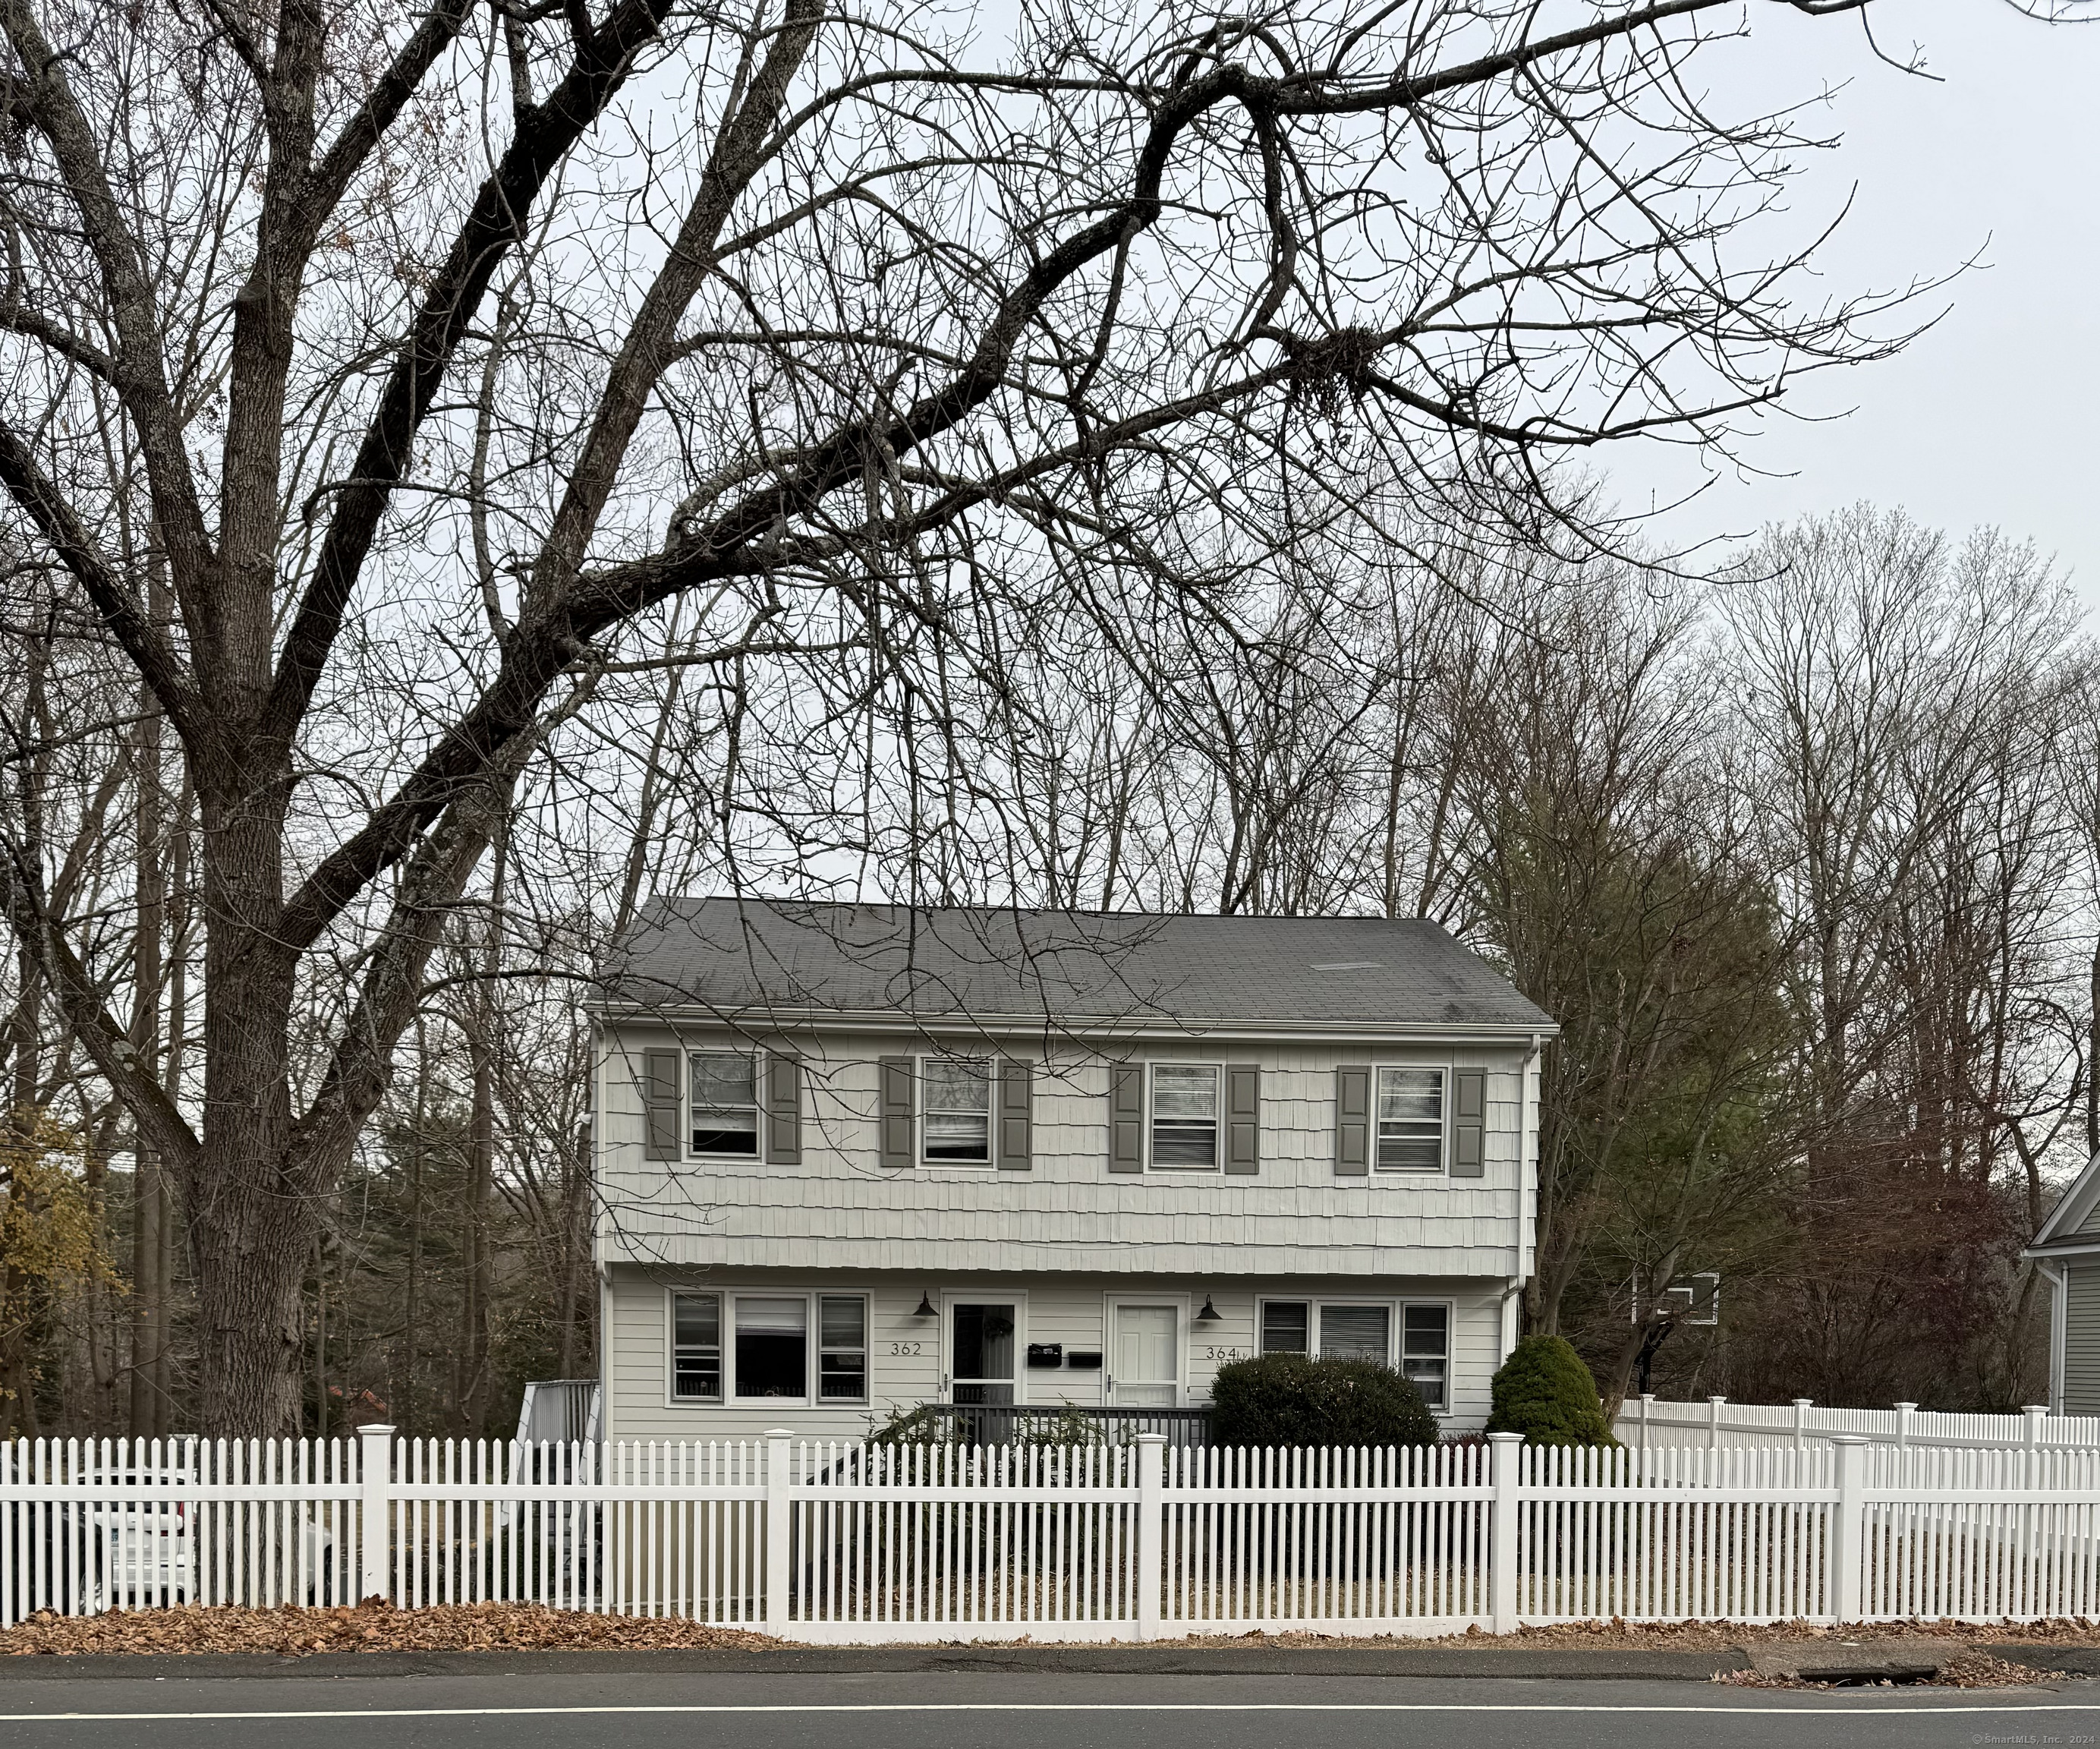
1015,1711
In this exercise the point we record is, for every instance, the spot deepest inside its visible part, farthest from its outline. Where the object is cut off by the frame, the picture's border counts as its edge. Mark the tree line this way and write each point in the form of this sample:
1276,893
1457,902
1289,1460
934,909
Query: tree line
471,466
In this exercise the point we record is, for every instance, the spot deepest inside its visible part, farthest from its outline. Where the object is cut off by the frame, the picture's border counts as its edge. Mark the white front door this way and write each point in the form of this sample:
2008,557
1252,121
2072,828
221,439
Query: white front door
1145,1356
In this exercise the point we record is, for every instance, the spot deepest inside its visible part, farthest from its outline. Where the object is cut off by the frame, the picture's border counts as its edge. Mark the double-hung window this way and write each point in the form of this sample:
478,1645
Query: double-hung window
841,1348
1410,1120
696,1354
724,1103
1185,1115
1425,1351
958,1121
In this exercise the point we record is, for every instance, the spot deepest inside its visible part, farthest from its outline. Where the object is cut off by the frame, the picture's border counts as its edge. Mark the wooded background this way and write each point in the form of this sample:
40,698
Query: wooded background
472,467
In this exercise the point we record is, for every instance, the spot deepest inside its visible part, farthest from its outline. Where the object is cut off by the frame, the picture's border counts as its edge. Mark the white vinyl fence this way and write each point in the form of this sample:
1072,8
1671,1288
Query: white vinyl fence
842,1543
1646,1423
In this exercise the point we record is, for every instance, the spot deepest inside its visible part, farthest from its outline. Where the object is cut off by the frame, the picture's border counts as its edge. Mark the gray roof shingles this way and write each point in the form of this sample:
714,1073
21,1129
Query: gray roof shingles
734,956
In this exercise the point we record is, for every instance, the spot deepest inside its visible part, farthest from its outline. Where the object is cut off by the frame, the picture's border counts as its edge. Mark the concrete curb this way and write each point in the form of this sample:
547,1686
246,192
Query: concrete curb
1151,1661
2039,1654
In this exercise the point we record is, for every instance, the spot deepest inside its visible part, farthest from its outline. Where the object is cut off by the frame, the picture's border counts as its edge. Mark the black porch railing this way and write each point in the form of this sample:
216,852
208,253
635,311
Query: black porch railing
1003,1423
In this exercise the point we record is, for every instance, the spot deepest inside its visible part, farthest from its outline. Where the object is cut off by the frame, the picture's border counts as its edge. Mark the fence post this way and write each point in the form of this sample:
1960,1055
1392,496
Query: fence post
1151,1544
1714,1423
1848,1528
1801,1421
2036,1413
1504,1450
776,1527
1904,1411
375,1523
1647,1408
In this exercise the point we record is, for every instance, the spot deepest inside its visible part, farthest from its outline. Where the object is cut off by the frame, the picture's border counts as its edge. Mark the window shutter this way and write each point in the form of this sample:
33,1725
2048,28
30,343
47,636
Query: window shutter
896,1110
783,1108
1469,1123
1352,1123
1127,1117
1242,1117
662,1117
1016,1090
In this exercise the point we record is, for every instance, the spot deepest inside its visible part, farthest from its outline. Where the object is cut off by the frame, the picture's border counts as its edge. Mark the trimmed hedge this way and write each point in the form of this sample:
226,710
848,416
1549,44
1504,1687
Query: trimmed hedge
1544,1392
1294,1400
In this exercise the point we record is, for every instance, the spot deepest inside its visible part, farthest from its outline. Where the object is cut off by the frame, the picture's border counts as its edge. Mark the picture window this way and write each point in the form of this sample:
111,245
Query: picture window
772,1347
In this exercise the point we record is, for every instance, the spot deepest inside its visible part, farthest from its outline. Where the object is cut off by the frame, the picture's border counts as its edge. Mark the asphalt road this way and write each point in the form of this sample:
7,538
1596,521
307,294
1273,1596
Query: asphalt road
1017,1711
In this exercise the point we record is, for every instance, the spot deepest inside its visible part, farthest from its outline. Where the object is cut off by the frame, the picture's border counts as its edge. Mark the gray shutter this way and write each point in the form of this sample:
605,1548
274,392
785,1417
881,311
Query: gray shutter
662,1115
896,1110
1242,1117
1352,1123
1127,1117
1469,1123
783,1108
1017,1091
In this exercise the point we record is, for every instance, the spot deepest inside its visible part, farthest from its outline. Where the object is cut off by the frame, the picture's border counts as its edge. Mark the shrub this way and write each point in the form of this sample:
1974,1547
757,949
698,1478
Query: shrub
1544,1392
1294,1400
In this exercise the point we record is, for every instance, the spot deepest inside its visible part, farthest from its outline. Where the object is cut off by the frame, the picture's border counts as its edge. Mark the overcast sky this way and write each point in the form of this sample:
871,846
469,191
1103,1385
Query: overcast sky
1991,416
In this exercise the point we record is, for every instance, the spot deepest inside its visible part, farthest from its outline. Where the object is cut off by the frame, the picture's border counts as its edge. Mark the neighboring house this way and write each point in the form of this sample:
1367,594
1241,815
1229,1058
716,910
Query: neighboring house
2067,1251
854,1158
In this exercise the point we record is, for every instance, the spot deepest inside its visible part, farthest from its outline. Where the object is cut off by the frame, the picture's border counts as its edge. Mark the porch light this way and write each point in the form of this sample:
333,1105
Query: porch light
1210,1314
925,1307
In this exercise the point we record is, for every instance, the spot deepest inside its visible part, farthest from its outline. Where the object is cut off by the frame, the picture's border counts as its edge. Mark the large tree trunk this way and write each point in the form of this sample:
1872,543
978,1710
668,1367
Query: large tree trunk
252,1187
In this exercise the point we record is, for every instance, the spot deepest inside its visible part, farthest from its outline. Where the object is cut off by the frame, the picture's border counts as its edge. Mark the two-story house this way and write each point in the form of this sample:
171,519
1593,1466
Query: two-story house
855,1158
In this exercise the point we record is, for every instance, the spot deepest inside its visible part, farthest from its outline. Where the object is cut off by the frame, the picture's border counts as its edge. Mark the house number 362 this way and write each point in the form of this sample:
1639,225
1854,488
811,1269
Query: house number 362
906,1348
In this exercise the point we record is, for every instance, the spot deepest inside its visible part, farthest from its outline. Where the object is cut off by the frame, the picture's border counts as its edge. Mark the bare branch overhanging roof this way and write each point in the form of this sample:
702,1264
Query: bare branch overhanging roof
740,957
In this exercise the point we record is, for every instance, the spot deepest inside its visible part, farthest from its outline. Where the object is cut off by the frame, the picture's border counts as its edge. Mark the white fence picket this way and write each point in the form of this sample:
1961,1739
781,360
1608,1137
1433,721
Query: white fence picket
1649,1421
838,1542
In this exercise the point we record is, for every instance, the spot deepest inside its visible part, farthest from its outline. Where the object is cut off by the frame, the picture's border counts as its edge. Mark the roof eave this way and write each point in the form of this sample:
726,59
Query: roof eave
890,1020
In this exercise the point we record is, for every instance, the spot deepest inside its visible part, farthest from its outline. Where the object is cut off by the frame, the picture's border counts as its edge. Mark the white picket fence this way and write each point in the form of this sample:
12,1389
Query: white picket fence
1647,1422
833,1543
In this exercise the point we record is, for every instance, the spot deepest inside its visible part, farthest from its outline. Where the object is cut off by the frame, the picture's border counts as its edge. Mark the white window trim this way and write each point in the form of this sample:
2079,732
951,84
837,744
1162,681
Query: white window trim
729,1295
1395,1326
671,1399
757,1157
1180,1302
1442,1171
952,1297
921,1113
1153,1066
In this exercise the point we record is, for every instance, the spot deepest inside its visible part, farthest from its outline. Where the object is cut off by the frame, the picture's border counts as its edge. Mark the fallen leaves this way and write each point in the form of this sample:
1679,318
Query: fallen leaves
372,1626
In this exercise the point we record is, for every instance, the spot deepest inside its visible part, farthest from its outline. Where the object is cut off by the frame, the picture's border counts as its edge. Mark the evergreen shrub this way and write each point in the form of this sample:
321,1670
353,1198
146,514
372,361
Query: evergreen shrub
1544,1392
1295,1400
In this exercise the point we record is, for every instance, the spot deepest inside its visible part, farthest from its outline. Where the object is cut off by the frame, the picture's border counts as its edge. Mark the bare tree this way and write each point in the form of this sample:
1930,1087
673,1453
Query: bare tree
305,301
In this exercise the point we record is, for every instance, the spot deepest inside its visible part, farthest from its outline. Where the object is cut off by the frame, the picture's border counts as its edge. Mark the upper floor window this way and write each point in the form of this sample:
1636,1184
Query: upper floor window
724,1103
1185,1115
1410,1120
957,1125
